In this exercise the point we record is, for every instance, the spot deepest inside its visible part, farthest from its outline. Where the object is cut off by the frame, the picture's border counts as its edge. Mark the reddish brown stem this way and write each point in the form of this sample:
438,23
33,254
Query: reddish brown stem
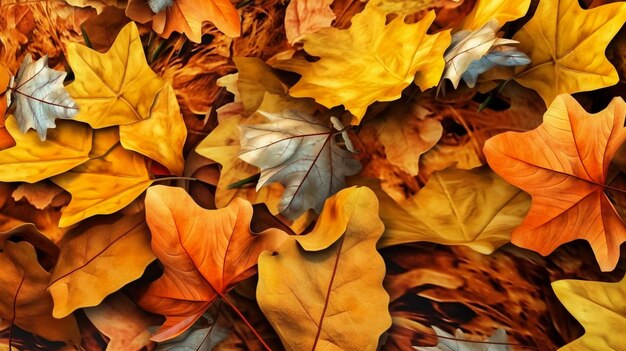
245,320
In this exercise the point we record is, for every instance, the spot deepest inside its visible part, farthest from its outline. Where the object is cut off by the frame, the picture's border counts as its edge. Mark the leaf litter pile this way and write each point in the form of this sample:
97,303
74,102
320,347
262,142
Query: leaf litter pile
312,175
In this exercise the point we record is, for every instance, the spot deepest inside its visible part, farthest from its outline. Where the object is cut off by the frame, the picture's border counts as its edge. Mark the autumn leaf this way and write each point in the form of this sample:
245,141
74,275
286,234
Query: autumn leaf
407,7
99,5
32,160
120,320
83,276
24,299
447,211
324,290
448,342
563,165
254,79
385,58
111,180
300,152
40,194
565,60
598,306
501,11
113,88
204,254
197,338
307,16
187,16
6,140
104,28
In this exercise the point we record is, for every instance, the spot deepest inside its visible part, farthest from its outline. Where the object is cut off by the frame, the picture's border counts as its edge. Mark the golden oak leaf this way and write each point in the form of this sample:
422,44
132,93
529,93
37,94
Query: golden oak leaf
161,136
83,275
486,10
111,180
566,60
447,211
323,290
116,87
24,299
187,16
563,165
368,62
307,16
204,254
32,160
600,308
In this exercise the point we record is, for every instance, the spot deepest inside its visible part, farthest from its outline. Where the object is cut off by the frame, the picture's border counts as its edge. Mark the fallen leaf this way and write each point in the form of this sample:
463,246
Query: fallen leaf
447,211
116,87
565,60
563,165
598,306
32,160
324,290
187,16
38,194
120,320
407,7
6,140
104,28
487,10
196,339
162,135
307,16
448,342
386,58
300,152
83,276
39,97
253,80
30,233
105,184
99,5
204,254
24,299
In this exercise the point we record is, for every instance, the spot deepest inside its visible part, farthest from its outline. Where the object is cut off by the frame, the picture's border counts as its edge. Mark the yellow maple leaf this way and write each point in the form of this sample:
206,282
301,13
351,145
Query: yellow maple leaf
600,307
486,10
566,45
114,88
369,62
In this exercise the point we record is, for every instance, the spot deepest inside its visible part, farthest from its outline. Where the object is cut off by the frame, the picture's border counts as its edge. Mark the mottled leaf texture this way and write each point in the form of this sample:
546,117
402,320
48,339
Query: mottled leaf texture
301,153
448,342
307,16
39,97
368,62
116,87
24,299
566,45
204,253
323,290
83,276
563,164
601,309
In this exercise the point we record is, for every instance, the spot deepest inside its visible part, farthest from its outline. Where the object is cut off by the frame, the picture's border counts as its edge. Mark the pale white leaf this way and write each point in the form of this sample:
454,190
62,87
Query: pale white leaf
448,342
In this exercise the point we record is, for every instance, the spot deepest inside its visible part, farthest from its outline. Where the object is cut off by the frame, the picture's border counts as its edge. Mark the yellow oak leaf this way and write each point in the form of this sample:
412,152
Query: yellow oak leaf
486,10
368,62
601,309
32,160
323,290
83,276
566,45
106,183
161,136
116,87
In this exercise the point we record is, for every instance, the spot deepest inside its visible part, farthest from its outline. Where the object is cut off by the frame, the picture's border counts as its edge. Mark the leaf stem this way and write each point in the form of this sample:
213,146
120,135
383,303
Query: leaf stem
245,320
241,183
164,179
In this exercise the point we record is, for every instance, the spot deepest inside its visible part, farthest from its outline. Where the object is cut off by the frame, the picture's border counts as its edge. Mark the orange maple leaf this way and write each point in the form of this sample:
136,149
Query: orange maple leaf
563,164
204,254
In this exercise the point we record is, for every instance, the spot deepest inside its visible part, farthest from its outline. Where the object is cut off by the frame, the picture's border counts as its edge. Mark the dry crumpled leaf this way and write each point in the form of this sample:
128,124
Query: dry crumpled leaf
120,320
204,254
24,299
116,87
601,310
187,16
104,28
386,59
39,97
83,276
566,60
32,160
40,194
307,16
323,290
99,5
563,165
447,211
487,10
448,342
300,152
111,180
